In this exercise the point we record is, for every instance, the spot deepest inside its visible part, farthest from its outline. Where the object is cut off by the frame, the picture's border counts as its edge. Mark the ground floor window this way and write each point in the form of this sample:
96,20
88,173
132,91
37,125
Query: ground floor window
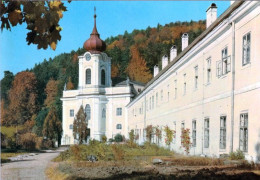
119,126
206,133
194,133
243,133
222,142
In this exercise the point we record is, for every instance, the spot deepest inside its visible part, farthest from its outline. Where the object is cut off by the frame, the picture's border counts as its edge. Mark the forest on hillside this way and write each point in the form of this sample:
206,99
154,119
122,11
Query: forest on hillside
31,98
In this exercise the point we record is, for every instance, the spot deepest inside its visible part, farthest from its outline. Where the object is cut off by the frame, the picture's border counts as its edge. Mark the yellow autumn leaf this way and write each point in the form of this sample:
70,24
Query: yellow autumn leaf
53,45
60,13
14,17
55,4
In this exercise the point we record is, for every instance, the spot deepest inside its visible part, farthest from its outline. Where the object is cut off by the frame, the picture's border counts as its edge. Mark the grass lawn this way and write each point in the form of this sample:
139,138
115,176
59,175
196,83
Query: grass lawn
9,131
131,161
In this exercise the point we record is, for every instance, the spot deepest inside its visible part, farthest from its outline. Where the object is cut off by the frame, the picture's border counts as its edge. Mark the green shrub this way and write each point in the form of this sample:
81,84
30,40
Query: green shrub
118,138
237,155
103,139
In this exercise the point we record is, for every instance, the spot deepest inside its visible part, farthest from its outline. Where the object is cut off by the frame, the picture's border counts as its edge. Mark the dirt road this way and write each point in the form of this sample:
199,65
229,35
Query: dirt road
28,168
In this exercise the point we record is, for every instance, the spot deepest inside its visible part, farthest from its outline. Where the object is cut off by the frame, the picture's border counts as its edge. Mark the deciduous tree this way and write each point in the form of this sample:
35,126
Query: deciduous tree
137,69
70,84
80,126
42,19
22,98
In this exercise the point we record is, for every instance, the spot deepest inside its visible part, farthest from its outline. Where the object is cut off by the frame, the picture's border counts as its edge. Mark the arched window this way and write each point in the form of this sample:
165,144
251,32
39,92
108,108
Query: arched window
88,76
103,77
104,113
88,111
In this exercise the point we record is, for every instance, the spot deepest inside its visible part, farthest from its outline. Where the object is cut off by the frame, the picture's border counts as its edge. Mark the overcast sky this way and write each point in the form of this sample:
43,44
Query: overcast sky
113,18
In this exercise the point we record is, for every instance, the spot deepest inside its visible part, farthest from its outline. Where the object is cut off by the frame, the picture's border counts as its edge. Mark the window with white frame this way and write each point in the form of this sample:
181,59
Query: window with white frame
157,99
88,111
196,77
71,112
119,126
208,70
71,126
194,133
222,142
206,133
184,84
152,102
168,93
182,125
175,89
104,113
119,111
224,66
243,133
88,76
246,49
174,128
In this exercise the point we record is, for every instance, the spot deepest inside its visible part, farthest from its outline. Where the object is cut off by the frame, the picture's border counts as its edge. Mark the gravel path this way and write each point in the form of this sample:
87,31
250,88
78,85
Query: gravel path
28,167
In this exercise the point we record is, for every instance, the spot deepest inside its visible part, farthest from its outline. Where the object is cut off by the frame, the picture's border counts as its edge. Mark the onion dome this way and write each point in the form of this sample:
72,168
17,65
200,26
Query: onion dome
94,44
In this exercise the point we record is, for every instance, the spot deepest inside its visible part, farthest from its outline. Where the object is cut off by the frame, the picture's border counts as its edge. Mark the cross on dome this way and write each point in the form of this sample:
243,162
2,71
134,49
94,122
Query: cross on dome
94,44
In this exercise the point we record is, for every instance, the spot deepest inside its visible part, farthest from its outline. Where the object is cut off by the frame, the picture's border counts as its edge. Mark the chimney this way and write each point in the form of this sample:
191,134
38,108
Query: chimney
164,61
173,53
155,70
185,40
211,14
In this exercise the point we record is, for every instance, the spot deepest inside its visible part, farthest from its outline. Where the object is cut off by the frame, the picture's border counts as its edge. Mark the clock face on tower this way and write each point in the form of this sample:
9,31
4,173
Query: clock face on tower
88,57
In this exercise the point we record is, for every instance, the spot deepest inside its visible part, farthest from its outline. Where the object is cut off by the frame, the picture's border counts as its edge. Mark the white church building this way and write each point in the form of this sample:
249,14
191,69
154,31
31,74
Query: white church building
212,87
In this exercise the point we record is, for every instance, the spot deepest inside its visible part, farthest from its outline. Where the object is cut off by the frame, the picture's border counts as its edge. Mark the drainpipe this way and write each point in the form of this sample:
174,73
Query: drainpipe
233,86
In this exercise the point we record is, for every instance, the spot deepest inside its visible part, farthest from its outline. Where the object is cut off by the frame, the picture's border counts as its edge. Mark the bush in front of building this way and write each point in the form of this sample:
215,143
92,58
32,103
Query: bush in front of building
118,138
103,139
28,141
237,155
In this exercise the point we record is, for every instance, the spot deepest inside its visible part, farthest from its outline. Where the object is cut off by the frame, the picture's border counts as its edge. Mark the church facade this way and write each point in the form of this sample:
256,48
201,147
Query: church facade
212,88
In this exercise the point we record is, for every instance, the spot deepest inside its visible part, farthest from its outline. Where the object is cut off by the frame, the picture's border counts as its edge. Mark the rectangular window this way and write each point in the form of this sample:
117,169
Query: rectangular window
224,65
174,128
175,90
222,142
150,103
196,77
168,93
206,133
153,102
119,111
72,113
157,99
71,126
208,70
184,84
225,61
194,133
243,133
246,49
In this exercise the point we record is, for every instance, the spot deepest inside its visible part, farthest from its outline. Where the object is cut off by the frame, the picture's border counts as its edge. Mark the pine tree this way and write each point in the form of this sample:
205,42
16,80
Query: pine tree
52,128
